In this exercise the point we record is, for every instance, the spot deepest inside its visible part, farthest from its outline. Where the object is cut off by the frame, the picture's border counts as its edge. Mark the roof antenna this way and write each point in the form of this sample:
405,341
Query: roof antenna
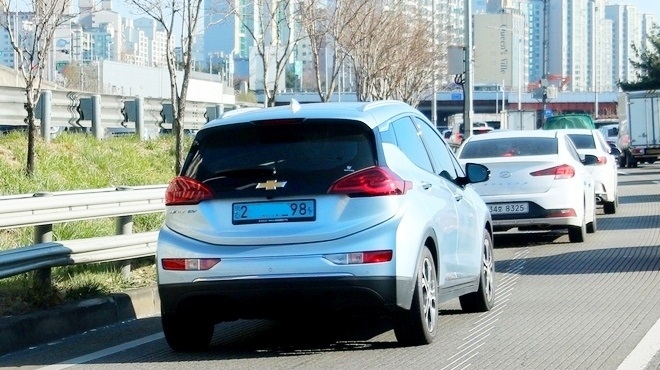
295,106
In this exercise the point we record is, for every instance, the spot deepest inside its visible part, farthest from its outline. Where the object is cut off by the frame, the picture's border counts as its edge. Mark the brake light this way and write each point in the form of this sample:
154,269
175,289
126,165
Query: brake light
189,264
553,213
358,258
183,190
373,181
559,172
601,160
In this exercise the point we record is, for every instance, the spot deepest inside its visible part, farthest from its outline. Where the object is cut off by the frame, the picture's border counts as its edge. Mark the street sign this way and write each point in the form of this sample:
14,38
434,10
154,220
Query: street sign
548,113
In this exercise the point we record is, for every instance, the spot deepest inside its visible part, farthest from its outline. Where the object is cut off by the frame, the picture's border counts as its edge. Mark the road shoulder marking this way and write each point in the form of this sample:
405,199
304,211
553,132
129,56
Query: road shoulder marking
645,350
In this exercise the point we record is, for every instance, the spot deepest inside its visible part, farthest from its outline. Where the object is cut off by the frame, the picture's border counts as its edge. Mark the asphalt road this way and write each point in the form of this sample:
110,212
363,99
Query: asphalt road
559,305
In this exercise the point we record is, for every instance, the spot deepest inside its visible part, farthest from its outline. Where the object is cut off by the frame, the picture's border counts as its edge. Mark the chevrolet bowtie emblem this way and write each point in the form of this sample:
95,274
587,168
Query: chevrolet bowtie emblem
271,185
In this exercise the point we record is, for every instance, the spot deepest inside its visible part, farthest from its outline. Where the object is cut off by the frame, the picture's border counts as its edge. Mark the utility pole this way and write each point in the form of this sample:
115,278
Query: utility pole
594,46
544,79
434,99
469,82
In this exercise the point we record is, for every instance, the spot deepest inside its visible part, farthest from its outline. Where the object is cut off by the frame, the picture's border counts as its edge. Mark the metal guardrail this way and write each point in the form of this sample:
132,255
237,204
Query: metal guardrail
42,210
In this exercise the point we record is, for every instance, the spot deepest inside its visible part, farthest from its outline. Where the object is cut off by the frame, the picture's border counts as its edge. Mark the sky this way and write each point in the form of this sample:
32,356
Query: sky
643,6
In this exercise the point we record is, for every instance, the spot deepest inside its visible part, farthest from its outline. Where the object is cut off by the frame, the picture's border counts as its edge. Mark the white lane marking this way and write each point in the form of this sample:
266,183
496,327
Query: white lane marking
646,349
103,353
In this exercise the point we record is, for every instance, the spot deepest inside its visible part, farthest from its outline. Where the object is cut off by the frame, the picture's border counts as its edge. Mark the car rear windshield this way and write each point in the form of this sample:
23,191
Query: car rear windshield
583,141
509,147
308,155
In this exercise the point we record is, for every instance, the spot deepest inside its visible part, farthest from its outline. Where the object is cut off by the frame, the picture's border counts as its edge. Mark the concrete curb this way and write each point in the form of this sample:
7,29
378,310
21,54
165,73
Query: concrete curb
24,331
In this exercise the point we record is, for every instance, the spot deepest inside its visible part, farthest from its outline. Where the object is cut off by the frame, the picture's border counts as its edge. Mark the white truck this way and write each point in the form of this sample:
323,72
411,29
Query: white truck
639,127
520,120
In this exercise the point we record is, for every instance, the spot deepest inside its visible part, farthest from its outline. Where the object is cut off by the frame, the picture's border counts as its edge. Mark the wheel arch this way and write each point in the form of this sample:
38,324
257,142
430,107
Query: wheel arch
405,289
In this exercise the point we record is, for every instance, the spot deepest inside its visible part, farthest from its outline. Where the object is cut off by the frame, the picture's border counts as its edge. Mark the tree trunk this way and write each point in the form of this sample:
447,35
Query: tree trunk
32,137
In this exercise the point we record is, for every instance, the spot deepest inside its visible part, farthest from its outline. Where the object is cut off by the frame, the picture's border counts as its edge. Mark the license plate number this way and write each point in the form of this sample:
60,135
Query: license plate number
508,208
269,212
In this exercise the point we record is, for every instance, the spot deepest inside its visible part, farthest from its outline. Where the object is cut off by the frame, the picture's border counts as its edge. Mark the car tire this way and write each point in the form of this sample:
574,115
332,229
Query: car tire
418,325
577,234
593,225
610,207
484,298
186,334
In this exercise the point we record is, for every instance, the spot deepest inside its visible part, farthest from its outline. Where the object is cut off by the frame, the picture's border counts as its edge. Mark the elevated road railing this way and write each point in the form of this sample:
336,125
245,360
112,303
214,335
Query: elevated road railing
43,210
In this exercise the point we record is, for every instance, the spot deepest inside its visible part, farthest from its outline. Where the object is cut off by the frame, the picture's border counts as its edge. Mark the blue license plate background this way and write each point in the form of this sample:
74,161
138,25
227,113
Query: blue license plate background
266,212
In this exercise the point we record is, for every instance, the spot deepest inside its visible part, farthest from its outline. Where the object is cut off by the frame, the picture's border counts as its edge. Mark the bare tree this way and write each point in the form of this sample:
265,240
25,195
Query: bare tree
272,26
391,49
31,33
169,14
325,26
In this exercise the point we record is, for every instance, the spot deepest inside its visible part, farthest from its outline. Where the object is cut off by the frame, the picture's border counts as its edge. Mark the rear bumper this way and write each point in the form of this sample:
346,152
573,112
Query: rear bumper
277,298
538,217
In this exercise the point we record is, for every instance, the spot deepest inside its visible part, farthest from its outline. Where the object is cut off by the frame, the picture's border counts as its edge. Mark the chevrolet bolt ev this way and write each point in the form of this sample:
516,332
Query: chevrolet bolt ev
308,210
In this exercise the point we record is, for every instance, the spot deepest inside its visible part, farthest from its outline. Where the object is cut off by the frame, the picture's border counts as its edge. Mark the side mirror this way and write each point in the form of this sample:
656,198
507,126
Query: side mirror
589,160
475,173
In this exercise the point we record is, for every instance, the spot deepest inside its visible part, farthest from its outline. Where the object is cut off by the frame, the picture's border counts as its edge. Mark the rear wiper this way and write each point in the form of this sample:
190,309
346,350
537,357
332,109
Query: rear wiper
246,172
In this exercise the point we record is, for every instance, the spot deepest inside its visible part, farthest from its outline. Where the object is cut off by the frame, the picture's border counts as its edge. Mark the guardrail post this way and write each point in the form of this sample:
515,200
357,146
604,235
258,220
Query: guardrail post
45,106
42,234
139,118
125,226
97,128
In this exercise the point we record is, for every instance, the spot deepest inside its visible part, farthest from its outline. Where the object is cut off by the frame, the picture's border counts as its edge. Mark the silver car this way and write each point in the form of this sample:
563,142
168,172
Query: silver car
313,209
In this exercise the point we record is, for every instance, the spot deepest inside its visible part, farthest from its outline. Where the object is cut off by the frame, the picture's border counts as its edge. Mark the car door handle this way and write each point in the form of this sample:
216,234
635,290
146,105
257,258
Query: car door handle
426,185
458,197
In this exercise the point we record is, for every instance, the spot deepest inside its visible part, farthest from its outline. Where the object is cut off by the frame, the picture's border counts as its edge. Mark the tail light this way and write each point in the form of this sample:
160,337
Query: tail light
373,181
189,264
183,190
360,258
559,172
601,161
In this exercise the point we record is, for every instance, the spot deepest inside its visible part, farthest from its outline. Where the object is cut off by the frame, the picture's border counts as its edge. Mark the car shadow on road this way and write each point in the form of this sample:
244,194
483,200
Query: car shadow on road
304,337
632,199
526,238
628,223
591,261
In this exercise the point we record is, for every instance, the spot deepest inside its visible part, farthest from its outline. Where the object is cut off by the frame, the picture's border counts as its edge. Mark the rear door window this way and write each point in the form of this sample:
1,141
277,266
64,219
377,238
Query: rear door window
583,141
408,140
438,150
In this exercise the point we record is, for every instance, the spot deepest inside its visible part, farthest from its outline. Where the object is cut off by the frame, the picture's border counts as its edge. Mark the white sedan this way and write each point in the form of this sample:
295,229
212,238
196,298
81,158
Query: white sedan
604,171
538,181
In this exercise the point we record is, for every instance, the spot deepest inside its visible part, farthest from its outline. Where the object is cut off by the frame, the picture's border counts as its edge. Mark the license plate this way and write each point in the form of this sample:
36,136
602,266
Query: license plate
652,151
268,212
508,208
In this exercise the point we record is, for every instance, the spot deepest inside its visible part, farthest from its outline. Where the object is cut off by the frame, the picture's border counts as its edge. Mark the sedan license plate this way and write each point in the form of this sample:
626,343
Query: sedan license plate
508,208
267,212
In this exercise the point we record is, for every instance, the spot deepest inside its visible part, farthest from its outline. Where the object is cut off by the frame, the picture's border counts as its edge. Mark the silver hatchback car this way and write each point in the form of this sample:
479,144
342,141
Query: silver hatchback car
328,208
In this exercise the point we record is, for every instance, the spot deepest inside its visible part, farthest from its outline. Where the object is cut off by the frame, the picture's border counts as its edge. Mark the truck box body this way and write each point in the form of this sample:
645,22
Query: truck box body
521,120
639,127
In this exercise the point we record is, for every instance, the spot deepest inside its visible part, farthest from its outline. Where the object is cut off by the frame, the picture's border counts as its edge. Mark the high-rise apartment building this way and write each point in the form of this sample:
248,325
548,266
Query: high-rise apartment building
625,34
500,56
